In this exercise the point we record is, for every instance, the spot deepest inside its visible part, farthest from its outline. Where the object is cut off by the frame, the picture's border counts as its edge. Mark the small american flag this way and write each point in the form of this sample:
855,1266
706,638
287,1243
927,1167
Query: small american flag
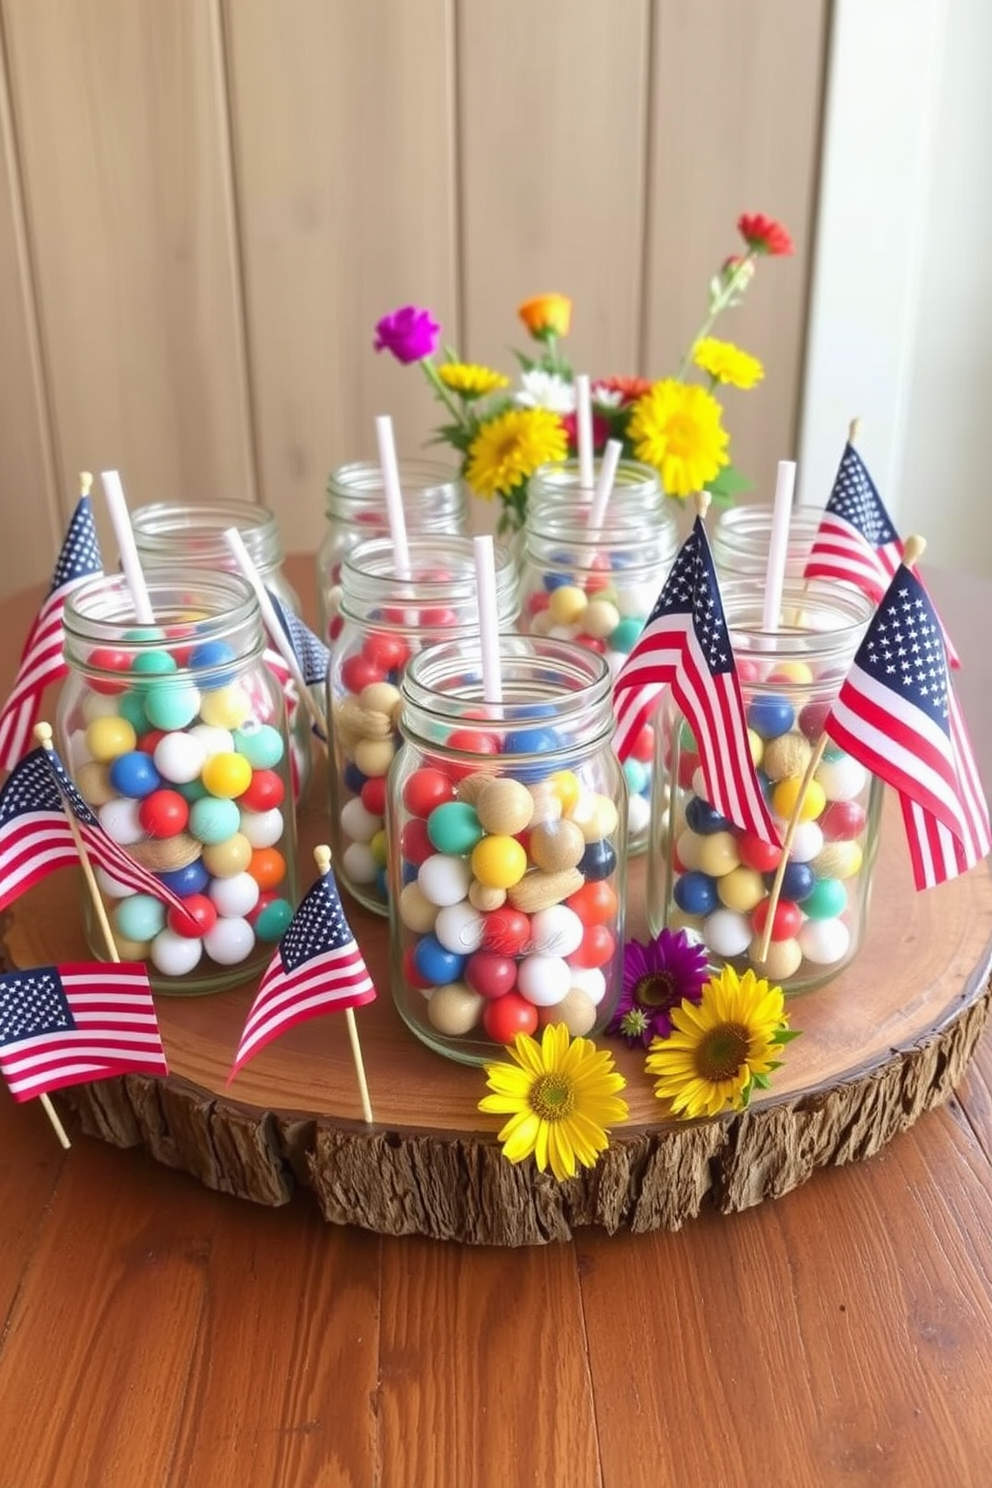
41,660
856,541
896,712
60,1025
309,649
686,643
35,837
318,968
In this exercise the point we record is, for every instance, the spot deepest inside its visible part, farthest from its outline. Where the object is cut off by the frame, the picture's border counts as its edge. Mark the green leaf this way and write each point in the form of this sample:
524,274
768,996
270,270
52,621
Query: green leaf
785,1035
728,485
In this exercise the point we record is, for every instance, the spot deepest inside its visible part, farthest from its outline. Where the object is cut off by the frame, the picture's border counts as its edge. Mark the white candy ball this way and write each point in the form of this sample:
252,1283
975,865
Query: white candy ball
212,740
112,887
229,941
556,931
638,815
636,601
179,757
563,632
590,980
119,819
98,705
359,864
824,941
543,980
444,879
234,896
842,779
175,955
357,823
263,828
726,932
459,928
806,842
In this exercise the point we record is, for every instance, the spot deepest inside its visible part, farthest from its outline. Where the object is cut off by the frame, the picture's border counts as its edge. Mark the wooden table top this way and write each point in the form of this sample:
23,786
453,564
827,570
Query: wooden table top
156,1335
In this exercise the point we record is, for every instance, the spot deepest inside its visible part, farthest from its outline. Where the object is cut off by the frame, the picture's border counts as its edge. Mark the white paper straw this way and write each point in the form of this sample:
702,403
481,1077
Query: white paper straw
120,517
394,496
604,483
778,546
485,577
583,431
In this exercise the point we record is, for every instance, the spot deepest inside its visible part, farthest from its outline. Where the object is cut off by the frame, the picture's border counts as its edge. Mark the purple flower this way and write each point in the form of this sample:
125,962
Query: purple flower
410,334
657,977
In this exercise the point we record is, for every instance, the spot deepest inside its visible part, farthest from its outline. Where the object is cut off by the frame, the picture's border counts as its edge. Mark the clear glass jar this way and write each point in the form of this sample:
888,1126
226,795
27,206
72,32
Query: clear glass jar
597,589
385,620
741,535
434,501
635,486
507,848
705,873
169,535
175,734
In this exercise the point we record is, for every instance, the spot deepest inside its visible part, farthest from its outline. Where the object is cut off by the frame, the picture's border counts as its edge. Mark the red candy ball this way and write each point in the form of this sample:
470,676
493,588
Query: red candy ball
198,915
386,652
812,718
595,903
415,845
538,601
471,741
491,975
147,743
357,672
591,643
507,1016
643,746
785,923
596,949
505,931
265,791
426,789
842,821
756,854
410,972
688,765
373,795
164,813
109,660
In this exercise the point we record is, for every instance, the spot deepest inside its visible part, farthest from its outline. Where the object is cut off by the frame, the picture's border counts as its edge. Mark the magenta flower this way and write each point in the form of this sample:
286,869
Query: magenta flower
410,334
657,977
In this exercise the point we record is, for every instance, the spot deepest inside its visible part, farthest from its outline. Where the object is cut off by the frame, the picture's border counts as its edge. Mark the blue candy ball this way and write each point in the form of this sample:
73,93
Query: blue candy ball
798,882
207,657
134,774
435,963
353,778
192,879
702,817
598,861
695,893
770,716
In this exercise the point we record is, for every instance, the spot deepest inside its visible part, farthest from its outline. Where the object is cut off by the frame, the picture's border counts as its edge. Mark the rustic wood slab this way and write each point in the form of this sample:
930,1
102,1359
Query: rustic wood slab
884,1042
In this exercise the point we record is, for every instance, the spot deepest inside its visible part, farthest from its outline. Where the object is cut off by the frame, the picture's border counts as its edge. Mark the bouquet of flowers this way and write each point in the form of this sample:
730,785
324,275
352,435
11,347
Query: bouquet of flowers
504,431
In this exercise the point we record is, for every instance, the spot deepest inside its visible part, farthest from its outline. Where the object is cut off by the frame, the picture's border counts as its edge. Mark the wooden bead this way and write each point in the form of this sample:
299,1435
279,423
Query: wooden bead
470,789
557,844
160,855
454,1009
547,802
374,756
576,1010
781,962
353,722
539,890
379,697
93,780
506,806
786,756
483,897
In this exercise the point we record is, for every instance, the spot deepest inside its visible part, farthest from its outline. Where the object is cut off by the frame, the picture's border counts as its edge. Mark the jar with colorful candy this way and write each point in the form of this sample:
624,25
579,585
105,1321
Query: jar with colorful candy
741,537
386,618
171,535
434,501
597,589
507,828
708,875
635,486
175,734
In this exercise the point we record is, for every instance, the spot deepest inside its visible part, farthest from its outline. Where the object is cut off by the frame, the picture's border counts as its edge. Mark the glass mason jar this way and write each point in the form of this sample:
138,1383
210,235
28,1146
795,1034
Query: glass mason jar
434,500
707,874
385,620
507,848
170,535
635,485
175,734
598,589
741,536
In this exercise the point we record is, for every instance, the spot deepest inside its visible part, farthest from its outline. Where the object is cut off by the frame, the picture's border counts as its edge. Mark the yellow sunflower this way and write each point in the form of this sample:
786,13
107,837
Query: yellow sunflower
726,362
509,448
721,1047
470,380
676,428
560,1095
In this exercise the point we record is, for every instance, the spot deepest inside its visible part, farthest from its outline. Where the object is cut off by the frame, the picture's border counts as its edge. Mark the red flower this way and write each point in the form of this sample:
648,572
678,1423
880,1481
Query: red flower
629,388
764,235
600,431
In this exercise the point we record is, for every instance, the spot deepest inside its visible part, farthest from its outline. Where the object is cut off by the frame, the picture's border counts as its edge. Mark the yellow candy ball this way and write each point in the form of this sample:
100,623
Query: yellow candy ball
225,859
687,849
741,889
106,738
793,671
378,848
225,707
499,862
567,787
781,962
786,794
838,860
227,775
756,745
717,854
567,604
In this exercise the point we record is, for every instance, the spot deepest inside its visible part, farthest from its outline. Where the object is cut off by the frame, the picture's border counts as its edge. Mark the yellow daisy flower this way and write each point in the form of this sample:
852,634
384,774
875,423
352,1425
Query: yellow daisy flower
509,448
721,1046
677,429
726,362
560,1095
470,380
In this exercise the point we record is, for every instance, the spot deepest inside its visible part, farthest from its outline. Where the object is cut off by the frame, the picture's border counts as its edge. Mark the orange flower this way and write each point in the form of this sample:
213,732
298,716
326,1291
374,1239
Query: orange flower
546,315
629,388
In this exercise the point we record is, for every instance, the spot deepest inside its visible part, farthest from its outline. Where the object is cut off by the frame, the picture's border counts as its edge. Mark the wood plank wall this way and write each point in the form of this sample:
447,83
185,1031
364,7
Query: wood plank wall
206,204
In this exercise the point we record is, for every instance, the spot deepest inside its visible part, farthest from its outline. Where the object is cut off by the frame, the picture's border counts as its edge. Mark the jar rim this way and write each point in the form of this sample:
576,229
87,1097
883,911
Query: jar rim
370,577
843,613
167,532
362,481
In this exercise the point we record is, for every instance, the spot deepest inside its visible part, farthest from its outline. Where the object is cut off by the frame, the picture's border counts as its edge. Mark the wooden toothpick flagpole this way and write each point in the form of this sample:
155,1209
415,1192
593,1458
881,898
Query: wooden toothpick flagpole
322,858
912,553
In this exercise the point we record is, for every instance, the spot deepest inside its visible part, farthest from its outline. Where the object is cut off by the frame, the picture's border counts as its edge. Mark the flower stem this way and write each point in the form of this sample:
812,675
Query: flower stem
431,374
737,279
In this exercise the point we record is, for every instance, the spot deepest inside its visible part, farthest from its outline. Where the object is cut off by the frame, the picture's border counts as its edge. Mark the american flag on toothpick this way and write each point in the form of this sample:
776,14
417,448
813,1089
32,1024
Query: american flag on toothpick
857,542
61,1025
897,713
318,968
35,836
309,650
686,643
41,660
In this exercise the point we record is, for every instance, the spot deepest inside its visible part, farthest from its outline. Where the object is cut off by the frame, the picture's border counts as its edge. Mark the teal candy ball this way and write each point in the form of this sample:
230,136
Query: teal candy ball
213,819
172,707
139,917
274,920
454,827
261,745
625,634
131,705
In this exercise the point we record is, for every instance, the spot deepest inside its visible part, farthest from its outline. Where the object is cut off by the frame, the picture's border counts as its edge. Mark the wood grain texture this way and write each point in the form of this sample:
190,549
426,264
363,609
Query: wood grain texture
343,127
30,1165
120,113
735,125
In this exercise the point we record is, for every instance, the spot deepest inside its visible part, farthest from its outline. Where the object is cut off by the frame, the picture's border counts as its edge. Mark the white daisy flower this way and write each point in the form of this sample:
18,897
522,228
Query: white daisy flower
549,390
